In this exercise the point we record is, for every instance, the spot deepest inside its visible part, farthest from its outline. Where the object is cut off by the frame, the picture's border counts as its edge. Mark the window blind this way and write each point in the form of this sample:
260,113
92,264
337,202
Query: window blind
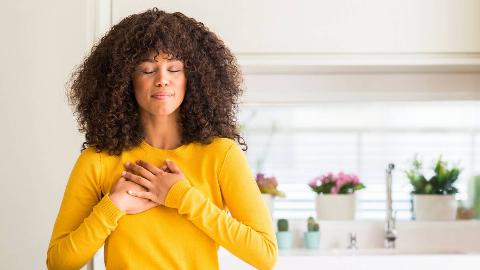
295,143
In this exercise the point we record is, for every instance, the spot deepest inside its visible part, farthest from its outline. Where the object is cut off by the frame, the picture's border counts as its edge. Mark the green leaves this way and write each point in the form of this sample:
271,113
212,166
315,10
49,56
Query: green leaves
358,186
324,188
440,183
350,188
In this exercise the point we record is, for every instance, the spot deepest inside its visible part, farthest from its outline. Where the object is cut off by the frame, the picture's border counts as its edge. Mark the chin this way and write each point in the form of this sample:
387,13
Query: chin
164,112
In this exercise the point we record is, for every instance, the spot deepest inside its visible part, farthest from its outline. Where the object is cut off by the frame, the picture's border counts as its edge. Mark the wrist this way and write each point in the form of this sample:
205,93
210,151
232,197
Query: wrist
117,201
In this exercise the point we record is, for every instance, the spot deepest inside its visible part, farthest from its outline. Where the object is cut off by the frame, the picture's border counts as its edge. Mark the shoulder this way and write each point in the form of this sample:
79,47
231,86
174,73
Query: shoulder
91,153
219,148
227,148
92,158
224,145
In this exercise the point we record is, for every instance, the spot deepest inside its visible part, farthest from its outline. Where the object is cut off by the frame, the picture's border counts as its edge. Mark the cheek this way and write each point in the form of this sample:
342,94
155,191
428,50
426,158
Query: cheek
181,93
140,87
182,87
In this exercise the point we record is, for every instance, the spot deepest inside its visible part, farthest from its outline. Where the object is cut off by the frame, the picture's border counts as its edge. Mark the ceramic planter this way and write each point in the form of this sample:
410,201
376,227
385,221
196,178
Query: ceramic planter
434,207
336,206
311,239
284,240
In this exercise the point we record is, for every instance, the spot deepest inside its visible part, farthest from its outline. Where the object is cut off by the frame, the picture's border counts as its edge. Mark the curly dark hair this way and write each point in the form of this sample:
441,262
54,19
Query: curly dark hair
101,88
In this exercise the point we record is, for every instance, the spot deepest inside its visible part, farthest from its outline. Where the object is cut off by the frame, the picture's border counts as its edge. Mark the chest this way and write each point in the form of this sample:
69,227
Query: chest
200,172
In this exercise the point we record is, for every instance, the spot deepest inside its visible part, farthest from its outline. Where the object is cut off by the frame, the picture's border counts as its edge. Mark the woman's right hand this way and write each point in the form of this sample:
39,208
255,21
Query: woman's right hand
126,202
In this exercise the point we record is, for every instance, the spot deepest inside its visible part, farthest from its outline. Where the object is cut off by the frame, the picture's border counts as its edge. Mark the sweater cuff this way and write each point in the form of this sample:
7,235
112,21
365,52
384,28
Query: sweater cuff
176,192
109,209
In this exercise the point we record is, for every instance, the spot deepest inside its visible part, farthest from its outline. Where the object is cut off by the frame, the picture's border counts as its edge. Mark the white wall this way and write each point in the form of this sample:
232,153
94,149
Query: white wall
41,41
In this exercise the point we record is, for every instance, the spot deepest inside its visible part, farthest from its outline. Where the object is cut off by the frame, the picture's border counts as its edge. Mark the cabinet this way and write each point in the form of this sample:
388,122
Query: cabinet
341,35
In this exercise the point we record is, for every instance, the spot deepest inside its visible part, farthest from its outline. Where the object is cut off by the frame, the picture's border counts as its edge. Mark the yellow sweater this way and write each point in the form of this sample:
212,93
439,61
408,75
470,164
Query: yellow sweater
183,234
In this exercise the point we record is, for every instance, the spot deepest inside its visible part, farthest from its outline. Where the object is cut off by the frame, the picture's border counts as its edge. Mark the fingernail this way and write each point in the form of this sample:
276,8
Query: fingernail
127,163
123,173
130,192
167,160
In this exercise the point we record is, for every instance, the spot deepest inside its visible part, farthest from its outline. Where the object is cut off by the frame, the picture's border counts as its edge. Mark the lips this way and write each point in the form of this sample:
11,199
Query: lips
162,95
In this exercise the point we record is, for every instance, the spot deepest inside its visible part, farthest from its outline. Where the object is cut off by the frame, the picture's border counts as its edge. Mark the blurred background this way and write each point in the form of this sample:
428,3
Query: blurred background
330,86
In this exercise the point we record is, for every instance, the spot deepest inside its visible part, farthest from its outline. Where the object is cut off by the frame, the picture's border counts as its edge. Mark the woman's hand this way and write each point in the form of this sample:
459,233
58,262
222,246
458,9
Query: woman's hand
127,203
157,181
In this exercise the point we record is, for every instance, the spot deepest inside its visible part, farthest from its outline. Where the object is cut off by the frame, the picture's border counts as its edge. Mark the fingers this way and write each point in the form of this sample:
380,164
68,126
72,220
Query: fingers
172,166
152,169
137,179
164,168
142,194
139,170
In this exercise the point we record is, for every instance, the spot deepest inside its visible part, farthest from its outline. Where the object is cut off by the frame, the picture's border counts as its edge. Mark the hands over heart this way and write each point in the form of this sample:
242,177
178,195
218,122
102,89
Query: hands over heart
157,181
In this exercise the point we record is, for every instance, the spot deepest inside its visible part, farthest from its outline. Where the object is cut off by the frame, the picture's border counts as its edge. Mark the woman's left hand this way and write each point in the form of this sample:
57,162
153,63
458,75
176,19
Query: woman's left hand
157,181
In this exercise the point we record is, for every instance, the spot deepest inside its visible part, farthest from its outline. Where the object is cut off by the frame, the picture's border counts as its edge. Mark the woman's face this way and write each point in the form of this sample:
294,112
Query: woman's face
159,85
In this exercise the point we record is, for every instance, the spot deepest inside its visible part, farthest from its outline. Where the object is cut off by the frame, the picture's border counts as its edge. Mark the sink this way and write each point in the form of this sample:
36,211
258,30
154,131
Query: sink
394,251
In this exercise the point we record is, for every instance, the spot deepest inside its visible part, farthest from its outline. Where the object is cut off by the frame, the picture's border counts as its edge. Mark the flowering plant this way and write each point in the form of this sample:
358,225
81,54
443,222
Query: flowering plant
268,185
341,183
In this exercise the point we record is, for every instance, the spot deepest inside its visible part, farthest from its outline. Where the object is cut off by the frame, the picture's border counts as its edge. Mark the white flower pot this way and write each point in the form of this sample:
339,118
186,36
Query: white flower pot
268,199
336,206
435,207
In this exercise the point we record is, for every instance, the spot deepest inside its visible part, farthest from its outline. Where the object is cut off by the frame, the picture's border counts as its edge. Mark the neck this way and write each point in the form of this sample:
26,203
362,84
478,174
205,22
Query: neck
161,131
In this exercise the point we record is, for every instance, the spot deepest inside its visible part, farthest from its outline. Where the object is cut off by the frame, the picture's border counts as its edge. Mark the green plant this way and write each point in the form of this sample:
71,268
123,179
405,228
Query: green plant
282,225
312,226
440,183
476,195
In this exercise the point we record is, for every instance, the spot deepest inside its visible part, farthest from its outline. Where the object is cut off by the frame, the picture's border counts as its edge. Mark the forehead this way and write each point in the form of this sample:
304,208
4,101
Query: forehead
158,57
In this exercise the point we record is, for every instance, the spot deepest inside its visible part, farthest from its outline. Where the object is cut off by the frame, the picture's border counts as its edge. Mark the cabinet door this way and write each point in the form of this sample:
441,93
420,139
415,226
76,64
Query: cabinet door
340,26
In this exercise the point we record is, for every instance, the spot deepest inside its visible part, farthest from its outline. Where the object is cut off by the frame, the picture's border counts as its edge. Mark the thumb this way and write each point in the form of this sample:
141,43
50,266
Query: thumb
172,166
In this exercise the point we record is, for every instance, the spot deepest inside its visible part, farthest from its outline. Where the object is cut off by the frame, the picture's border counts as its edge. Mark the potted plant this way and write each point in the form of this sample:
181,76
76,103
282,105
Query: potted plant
475,195
335,195
284,237
268,188
434,197
312,235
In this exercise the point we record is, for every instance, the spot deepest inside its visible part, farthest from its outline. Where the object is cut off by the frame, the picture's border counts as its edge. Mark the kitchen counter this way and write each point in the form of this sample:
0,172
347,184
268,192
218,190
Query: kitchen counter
302,259
419,245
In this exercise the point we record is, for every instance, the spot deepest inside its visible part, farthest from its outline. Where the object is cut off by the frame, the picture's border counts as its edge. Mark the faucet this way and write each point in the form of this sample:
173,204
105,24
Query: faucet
390,233
352,241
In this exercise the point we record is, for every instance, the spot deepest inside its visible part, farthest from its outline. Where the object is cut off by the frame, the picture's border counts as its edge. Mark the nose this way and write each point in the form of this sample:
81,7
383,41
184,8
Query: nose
162,80
163,83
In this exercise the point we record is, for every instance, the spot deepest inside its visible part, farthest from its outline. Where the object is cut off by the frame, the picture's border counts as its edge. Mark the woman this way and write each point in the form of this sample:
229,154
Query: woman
160,165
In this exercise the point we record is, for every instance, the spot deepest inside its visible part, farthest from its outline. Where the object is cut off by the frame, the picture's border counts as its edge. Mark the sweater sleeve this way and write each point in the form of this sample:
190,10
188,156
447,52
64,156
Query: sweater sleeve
85,219
248,232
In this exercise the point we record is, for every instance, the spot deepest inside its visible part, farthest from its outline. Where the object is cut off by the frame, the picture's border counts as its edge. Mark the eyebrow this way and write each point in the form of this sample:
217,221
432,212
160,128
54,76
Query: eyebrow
148,60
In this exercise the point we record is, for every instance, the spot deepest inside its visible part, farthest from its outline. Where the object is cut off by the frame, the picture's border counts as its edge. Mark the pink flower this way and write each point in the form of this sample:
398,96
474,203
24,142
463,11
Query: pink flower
355,180
327,178
314,182
339,181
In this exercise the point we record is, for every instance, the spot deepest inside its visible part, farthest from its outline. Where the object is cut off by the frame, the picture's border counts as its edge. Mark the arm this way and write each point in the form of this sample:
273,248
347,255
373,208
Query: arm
248,233
85,219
